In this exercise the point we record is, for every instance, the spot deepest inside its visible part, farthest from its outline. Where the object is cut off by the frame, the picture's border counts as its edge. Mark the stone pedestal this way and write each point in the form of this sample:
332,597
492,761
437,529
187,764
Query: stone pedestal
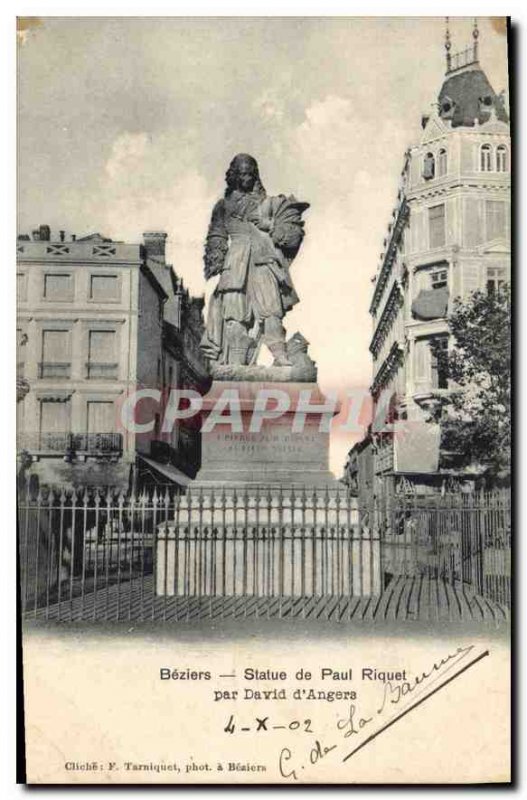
265,517
257,543
249,449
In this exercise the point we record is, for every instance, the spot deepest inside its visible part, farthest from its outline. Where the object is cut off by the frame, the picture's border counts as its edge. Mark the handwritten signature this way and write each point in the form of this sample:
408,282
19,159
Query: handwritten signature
316,753
432,680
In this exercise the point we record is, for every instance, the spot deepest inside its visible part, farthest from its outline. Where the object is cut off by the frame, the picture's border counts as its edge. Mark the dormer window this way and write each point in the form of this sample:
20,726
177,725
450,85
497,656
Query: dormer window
429,166
502,159
442,162
485,103
447,108
485,158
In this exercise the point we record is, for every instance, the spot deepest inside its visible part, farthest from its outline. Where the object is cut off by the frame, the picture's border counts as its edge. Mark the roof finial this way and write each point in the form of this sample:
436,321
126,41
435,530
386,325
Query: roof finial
475,36
448,45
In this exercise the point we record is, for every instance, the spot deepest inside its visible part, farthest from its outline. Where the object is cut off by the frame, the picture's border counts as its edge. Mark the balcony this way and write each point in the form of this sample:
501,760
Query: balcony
464,58
402,215
101,370
54,369
96,444
72,444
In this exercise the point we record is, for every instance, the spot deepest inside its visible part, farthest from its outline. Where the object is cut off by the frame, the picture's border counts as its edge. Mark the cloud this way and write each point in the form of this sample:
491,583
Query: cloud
152,182
127,150
270,105
328,132
344,230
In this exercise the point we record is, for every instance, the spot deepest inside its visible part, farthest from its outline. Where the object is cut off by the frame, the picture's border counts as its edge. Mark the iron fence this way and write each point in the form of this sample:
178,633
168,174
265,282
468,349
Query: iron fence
103,555
461,538
97,554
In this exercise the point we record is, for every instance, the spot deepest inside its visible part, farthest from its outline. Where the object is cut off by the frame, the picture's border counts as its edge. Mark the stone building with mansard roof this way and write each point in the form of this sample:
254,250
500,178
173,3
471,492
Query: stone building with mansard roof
98,319
449,235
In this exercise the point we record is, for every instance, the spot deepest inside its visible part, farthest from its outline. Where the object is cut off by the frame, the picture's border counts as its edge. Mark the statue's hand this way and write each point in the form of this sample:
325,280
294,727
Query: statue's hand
262,222
265,225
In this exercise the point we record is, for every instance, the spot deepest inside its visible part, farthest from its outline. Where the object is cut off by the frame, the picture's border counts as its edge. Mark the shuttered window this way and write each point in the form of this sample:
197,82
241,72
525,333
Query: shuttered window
21,287
496,219
436,222
58,286
101,416
105,288
54,417
102,354
56,354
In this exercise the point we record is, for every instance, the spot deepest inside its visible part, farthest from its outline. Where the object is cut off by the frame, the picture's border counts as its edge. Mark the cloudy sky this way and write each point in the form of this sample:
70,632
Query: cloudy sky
128,124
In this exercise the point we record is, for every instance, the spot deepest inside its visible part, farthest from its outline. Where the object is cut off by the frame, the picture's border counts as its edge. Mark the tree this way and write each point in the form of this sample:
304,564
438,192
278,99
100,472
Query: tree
476,413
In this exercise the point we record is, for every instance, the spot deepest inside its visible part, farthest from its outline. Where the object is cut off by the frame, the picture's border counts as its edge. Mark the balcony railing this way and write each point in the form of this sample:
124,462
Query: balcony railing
97,443
463,58
100,369
93,444
54,369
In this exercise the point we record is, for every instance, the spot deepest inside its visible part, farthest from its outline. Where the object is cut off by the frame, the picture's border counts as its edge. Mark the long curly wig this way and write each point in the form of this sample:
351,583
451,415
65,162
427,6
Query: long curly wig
231,176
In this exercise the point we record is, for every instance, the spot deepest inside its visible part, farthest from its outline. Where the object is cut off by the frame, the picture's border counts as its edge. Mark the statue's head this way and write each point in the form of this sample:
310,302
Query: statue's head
243,175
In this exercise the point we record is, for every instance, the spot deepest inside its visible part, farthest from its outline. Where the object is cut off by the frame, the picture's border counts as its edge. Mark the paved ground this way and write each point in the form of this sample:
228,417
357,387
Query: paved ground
417,599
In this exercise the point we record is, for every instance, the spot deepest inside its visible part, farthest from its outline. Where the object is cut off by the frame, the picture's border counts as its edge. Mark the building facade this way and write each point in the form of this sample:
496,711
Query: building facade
92,320
449,236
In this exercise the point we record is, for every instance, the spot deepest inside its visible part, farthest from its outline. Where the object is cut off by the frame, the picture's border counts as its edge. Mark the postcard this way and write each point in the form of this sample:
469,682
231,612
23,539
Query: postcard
264,400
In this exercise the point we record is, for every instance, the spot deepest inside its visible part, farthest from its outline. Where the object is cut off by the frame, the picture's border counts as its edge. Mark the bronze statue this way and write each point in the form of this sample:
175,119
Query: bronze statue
251,242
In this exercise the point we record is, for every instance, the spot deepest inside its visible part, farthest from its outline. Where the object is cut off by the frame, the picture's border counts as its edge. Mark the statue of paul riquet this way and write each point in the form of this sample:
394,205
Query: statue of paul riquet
251,242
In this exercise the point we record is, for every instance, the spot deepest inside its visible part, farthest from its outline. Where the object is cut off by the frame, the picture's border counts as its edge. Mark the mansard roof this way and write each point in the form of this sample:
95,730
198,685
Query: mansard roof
466,96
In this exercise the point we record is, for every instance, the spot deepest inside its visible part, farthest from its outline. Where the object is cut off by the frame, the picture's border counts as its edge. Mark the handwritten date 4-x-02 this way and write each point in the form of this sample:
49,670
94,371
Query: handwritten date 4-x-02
259,724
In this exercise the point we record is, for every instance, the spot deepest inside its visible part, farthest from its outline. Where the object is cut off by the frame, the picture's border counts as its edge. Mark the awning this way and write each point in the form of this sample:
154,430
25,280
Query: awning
168,471
416,446
431,303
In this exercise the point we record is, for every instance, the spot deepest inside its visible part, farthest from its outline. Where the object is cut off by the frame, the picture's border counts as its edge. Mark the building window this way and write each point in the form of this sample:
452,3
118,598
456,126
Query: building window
485,158
495,279
439,278
421,364
442,162
429,166
21,339
102,354
105,288
502,159
438,362
436,222
21,287
54,425
58,286
495,219
100,416
56,357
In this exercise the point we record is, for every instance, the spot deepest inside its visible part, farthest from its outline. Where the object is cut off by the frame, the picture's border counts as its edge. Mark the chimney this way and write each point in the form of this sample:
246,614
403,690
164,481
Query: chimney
62,235
73,237
155,242
44,233
36,235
